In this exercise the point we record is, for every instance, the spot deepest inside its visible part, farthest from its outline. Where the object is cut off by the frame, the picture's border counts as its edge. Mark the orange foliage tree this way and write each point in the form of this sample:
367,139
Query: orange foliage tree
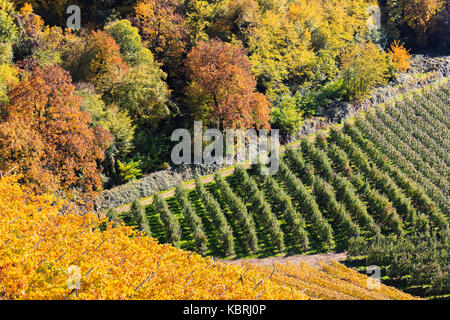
106,65
94,57
400,56
46,136
222,87
37,40
164,31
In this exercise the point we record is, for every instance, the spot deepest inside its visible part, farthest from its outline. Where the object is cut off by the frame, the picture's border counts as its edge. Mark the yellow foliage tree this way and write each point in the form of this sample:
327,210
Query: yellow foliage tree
291,38
363,66
278,53
419,13
8,79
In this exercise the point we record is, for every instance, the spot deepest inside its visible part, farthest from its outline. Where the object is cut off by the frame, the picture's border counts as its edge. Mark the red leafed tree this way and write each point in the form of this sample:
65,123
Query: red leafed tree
222,87
47,138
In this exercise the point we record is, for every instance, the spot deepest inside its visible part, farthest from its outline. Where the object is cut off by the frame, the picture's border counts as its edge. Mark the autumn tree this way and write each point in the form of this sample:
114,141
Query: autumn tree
143,91
37,41
278,53
199,16
55,10
107,64
124,72
164,30
8,79
363,67
341,21
8,29
8,35
419,15
222,87
131,47
93,13
400,56
296,43
30,27
76,56
121,126
94,57
234,20
46,136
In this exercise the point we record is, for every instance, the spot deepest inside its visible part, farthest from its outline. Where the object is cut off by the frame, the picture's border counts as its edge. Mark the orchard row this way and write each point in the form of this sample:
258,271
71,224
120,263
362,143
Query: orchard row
384,173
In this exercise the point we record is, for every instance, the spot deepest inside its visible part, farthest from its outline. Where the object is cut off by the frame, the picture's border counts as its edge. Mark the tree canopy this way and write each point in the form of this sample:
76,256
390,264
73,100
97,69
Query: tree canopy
222,87
145,68
45,134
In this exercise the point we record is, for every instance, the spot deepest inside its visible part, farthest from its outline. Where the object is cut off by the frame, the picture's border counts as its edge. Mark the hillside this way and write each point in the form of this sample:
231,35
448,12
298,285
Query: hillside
43,252
425,71
119,180
382,174
386,172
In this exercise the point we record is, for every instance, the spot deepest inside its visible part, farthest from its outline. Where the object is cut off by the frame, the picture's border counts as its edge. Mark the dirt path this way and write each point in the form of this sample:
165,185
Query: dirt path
313,260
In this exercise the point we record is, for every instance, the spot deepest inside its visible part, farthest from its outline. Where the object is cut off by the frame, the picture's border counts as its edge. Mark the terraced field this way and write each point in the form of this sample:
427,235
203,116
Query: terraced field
386,171
37,243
